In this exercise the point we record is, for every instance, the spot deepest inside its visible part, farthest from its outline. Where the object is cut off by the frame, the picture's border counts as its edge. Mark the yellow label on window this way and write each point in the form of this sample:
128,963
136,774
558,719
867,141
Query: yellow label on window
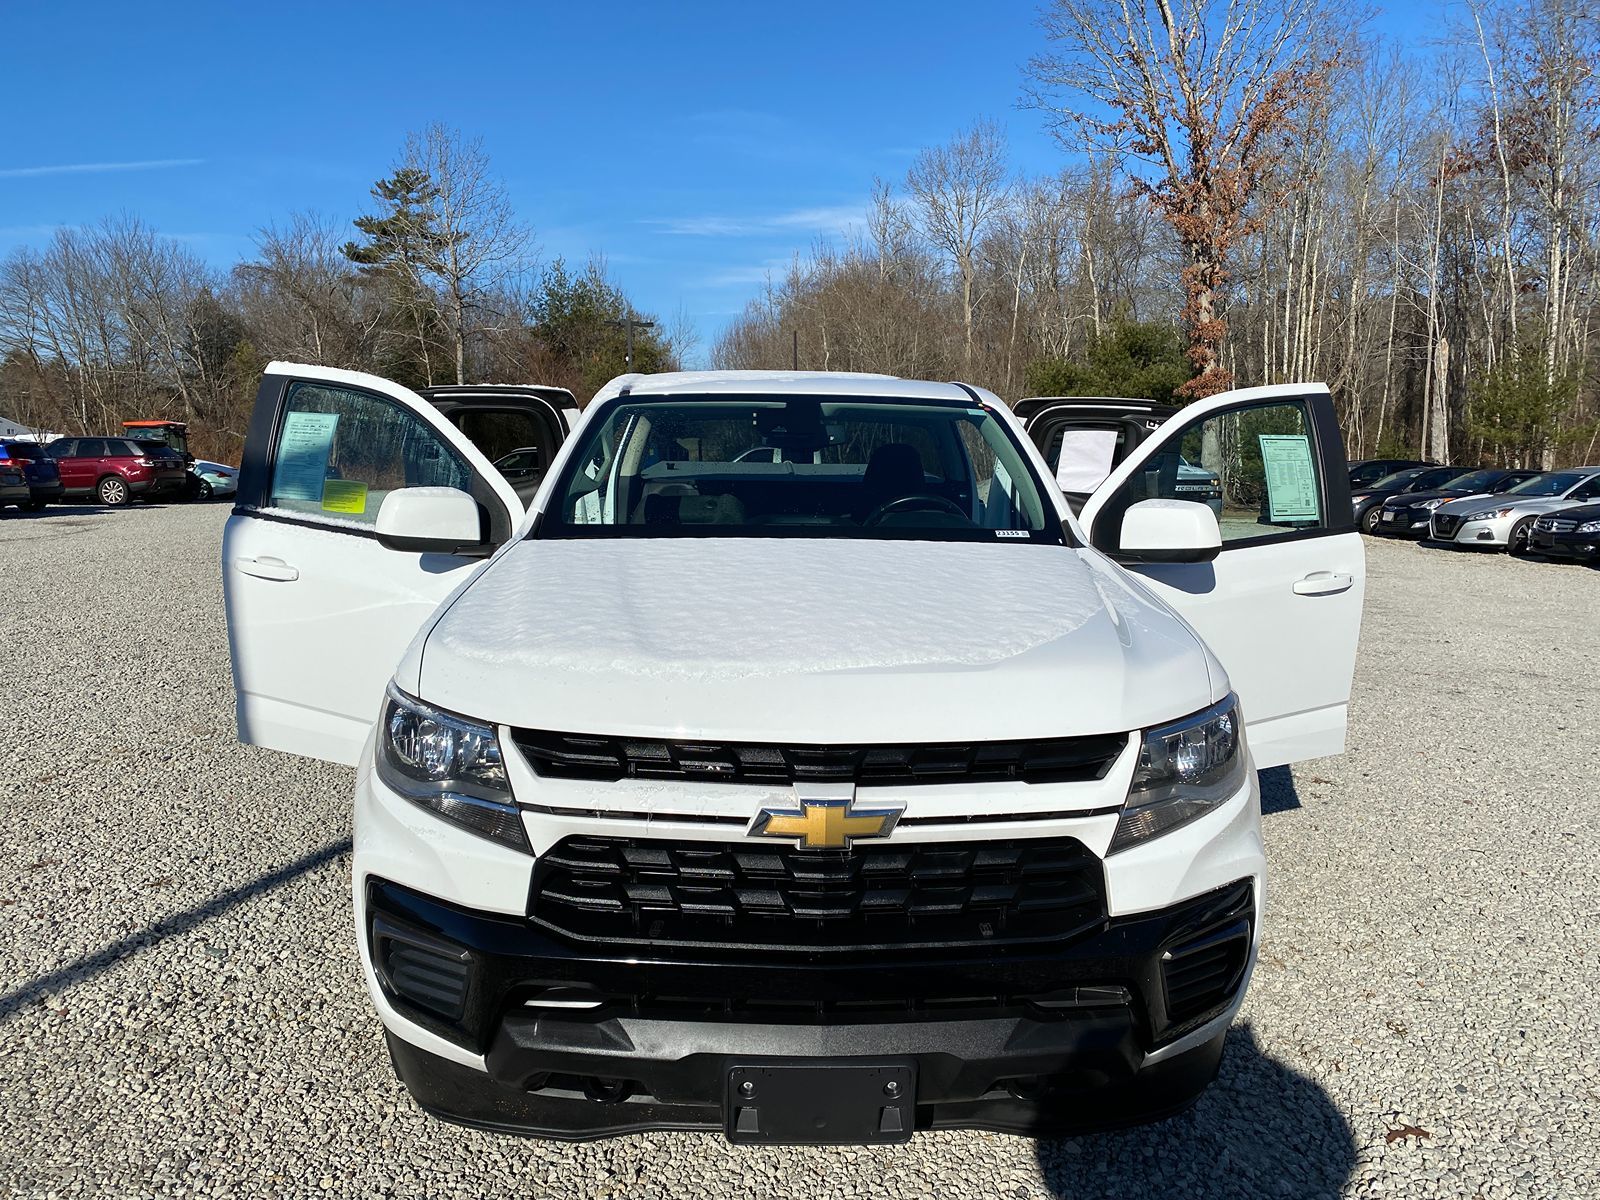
344,496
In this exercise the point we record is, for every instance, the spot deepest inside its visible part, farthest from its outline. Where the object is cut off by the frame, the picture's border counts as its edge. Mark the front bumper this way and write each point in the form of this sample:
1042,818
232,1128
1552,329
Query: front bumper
1451,530
1403,522
1584,547
1049,1037
1030,1041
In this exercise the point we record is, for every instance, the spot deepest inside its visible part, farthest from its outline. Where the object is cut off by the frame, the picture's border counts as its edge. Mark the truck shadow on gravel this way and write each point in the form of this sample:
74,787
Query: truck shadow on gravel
107,957
1260,1130
58,511
1278,792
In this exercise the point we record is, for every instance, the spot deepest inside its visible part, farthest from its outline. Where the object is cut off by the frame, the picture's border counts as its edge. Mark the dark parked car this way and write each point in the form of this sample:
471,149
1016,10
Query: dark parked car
1570,533
1366,471
1408,514
116,469
1366,501
13,485
37,467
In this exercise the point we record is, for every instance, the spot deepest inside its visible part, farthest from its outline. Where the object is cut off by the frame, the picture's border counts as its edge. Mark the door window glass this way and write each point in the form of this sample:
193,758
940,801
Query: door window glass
339,452
91,448
1255,467
497,432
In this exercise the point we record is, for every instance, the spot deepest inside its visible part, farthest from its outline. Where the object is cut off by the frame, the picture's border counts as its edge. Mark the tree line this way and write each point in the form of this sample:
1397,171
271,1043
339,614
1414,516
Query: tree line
1255,191
438,283
1258,192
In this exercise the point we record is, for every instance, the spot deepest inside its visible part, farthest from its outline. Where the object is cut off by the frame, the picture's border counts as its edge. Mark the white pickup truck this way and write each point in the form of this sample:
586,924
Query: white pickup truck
797,763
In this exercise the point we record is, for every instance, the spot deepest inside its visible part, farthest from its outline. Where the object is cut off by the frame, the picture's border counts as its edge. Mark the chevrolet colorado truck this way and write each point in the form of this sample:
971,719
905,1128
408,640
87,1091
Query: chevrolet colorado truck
796,762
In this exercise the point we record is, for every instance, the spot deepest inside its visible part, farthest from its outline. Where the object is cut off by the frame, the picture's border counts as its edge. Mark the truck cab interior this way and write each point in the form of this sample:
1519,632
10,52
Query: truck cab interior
519,427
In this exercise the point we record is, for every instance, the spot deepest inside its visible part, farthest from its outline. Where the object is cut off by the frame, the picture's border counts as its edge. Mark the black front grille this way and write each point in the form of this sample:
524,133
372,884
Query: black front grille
783,898
597,757
1445,526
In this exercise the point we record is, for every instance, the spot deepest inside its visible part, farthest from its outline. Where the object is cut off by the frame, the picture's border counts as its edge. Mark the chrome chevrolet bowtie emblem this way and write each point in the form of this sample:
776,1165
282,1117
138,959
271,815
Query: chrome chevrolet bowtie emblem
826,817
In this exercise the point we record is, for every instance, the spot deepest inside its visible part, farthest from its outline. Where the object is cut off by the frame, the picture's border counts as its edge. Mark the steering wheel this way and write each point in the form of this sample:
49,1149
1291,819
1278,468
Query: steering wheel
915,501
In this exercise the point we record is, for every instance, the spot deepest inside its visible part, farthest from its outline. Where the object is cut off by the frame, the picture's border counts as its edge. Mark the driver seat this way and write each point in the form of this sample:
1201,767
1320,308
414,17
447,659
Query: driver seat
894,470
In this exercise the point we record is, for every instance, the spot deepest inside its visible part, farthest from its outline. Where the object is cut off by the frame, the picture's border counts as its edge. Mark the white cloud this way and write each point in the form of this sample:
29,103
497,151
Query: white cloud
149,164
741,276
835,218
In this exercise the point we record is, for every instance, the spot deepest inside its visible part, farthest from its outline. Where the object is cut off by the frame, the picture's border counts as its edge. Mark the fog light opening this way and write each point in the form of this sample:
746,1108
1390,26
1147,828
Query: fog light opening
605,1091
1029,1089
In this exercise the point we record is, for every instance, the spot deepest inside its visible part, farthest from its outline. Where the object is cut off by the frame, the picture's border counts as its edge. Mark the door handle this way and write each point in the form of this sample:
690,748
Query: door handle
1322,583
274,568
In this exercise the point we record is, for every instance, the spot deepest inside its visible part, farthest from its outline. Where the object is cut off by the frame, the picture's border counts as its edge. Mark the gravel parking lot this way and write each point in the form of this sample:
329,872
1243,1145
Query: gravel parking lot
181,1010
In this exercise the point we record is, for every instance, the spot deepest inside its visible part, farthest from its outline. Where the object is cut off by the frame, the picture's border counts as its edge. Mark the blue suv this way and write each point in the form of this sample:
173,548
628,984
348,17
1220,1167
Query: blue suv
40,474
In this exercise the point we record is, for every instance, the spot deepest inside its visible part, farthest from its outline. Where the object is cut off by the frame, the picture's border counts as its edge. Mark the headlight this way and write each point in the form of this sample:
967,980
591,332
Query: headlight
450,766
1488,514
1430,505
1589,527
1185,770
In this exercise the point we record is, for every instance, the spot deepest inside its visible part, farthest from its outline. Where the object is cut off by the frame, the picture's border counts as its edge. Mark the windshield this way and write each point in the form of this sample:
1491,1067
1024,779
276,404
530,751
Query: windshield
1436,478
800,466
1548,485
1475,481
1398,479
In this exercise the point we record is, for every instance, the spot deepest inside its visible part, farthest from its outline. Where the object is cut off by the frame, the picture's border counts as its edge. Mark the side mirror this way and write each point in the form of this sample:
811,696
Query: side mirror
1166,531
432,520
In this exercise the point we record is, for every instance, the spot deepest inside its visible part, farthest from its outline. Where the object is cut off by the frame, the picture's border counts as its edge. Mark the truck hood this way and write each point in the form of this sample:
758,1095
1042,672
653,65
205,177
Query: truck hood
810,641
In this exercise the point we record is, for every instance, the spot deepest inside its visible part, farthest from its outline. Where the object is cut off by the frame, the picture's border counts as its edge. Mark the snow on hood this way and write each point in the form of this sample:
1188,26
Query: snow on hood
808,640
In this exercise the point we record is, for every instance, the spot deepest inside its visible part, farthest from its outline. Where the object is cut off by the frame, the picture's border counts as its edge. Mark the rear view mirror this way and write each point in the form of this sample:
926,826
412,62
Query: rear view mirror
432,520
1168,531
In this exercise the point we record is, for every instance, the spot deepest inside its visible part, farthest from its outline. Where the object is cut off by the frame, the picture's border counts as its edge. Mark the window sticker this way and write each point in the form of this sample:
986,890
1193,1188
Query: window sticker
1291,478
1085,458
303,451
344,496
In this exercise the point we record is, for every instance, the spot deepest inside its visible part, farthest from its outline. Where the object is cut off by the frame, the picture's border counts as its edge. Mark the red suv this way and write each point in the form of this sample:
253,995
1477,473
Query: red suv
116,469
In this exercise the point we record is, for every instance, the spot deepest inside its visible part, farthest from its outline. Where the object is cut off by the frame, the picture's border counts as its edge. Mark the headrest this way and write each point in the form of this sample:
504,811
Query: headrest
895,467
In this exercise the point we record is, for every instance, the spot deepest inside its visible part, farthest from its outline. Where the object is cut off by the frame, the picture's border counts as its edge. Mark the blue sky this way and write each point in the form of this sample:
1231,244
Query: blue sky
695,145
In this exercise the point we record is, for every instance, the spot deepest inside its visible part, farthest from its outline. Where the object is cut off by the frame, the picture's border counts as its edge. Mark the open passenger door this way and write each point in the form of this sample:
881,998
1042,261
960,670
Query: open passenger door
1280,604
320,610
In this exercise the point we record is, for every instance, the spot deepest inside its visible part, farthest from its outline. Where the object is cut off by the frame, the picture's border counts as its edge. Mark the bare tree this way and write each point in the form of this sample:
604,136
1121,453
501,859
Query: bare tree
303,298
479,246
1198,91
959,188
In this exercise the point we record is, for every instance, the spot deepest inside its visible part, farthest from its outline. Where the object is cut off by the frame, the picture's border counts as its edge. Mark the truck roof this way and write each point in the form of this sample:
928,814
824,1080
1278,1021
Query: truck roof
788,383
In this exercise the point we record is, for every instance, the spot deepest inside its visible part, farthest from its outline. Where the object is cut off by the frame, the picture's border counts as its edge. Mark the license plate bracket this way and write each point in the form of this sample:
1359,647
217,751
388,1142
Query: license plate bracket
821,1102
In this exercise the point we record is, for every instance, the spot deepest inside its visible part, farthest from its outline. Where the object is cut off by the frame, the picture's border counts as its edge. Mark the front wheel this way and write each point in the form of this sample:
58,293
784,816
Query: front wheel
1369,521
1517,543
113,491
203,492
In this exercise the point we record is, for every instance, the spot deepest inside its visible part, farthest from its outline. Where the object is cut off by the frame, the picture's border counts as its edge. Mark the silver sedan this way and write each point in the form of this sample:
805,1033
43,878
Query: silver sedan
1504,521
